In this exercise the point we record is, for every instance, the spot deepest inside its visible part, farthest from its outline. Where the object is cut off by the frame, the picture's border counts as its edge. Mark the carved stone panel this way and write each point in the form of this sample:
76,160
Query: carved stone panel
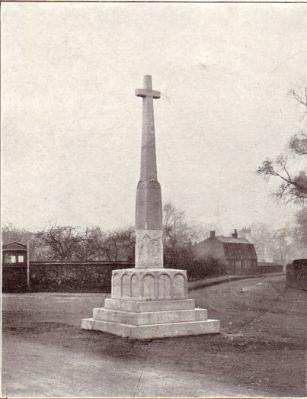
149,249
148,286
179,286
164,286
116,286
126,285
149,283
135,286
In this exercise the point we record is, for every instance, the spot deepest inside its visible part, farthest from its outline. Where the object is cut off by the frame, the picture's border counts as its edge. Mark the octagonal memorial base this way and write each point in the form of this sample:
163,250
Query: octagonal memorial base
150,303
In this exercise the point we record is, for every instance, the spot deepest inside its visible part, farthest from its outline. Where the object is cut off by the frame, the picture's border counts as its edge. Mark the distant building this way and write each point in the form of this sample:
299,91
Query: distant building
14,253
261,246
237,253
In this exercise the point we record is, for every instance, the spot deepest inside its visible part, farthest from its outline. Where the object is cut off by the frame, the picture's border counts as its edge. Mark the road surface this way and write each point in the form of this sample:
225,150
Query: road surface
260,351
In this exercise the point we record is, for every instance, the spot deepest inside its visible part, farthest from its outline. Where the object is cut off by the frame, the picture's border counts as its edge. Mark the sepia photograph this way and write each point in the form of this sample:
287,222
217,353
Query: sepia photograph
153,199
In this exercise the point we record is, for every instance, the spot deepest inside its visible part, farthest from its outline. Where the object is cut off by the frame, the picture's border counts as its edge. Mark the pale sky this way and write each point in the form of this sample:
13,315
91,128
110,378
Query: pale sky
71,124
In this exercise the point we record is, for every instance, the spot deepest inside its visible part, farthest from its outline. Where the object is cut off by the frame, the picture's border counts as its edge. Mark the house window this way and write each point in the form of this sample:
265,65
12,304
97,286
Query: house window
20,258
13,259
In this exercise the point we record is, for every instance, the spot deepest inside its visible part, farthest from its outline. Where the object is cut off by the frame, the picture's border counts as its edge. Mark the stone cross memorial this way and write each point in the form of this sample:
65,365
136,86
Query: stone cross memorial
149,301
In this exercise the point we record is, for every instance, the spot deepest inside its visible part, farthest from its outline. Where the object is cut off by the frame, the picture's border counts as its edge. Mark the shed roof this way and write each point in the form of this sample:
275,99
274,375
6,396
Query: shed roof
14,246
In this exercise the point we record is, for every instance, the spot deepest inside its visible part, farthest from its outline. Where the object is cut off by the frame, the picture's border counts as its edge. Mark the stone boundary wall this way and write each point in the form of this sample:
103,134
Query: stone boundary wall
74,276
296,275
61,277
266,267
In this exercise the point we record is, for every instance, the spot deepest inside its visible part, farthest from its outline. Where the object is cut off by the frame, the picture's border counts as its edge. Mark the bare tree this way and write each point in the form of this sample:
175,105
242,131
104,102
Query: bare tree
301,98
63,242
298,143
300,229
177,236
293,186
279,245
91,246
119,245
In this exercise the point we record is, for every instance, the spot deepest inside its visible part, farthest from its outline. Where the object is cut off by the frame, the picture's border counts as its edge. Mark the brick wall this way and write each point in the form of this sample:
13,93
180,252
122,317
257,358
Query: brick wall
65,277
296,276
268,267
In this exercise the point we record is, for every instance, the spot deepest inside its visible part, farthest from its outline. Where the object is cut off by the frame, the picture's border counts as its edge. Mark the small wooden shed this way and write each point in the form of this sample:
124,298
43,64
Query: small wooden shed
15,267
14,253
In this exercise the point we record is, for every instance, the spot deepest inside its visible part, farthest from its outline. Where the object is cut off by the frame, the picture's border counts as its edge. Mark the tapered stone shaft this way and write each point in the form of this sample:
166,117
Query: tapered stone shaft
148,213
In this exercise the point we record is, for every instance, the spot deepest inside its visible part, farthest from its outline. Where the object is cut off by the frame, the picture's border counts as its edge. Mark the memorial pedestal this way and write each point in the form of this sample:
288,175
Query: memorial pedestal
150,303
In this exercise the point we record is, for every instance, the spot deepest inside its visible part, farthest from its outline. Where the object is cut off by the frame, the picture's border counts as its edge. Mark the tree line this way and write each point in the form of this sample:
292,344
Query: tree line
70,243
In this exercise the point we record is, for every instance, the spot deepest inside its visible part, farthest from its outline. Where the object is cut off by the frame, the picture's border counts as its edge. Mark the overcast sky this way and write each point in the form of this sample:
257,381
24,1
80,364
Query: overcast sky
71,124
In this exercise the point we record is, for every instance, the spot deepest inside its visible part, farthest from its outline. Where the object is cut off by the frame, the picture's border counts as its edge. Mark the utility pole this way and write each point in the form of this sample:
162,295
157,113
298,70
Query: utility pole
28,266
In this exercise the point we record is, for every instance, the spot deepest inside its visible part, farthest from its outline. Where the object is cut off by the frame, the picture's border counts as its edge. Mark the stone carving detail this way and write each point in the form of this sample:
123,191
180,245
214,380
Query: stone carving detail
135,286
149,249
179,286
126,285
164,286
116,285
149,284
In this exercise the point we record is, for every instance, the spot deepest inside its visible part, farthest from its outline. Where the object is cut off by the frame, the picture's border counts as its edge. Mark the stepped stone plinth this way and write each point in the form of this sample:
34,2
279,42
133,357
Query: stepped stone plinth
149,301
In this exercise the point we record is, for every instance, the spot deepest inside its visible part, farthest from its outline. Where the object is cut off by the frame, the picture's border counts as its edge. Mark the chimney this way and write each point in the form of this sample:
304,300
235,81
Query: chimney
212,234
235,234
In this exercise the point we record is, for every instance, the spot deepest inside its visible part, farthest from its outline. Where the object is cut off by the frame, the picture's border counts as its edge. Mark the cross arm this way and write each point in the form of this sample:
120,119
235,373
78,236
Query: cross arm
147,93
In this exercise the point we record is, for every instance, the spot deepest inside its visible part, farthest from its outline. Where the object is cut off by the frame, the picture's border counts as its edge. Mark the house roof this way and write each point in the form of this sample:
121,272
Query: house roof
234,248
239,250
14,246
239,240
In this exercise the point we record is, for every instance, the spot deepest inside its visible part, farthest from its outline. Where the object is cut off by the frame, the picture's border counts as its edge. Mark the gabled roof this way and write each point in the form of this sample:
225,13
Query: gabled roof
239,250
237,247
234,248
239,240
14,246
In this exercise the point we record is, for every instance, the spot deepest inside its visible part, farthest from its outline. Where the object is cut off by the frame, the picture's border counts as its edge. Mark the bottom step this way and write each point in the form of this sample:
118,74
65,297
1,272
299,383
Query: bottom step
153,330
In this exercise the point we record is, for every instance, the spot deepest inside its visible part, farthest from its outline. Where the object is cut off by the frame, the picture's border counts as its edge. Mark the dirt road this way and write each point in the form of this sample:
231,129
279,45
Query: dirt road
260,351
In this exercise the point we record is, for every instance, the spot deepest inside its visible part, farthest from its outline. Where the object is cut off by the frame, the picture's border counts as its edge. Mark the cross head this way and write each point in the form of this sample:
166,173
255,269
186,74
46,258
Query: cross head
147,91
